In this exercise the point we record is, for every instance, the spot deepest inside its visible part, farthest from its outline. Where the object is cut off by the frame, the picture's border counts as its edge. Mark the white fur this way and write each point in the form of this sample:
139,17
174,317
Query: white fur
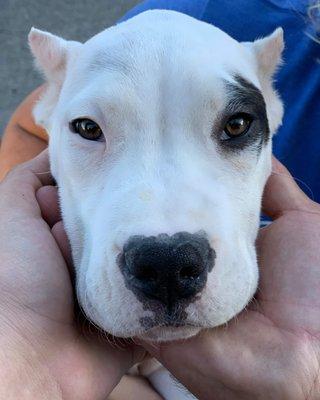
155,85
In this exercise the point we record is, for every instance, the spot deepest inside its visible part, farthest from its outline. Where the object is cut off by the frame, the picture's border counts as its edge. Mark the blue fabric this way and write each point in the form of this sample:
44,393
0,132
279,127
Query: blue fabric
297,143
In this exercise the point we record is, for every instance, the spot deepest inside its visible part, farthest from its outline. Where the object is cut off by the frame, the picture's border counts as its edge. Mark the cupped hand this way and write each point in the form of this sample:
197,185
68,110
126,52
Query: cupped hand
39,333
272,349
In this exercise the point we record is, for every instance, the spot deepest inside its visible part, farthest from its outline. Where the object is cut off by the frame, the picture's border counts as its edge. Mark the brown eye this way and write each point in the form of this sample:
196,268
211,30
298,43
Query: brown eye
237,126
86,128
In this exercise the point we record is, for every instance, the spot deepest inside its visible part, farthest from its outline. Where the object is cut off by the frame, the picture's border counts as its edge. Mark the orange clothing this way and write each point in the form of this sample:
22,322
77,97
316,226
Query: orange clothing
22,139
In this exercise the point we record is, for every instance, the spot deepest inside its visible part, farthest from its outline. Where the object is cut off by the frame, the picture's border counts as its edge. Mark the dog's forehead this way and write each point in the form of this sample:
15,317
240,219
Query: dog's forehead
174,61
167,41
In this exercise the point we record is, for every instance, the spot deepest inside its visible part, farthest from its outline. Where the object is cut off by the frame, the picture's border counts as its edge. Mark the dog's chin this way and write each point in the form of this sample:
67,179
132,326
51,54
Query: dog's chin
168,334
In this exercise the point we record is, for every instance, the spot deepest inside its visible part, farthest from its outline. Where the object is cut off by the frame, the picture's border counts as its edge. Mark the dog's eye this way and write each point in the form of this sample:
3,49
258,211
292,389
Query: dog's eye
86,128
238,125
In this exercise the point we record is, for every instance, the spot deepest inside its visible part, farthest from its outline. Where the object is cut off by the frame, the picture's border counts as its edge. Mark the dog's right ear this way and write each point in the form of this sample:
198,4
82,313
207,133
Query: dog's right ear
52,54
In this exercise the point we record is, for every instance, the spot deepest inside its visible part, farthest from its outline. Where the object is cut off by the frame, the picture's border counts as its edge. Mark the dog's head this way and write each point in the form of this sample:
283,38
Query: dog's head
160,141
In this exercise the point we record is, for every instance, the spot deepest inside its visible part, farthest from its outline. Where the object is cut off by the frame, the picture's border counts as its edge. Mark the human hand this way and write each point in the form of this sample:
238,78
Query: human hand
44,354
272,349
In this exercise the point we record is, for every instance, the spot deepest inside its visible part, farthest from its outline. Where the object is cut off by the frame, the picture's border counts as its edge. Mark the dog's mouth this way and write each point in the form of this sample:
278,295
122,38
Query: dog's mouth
162,316
167,327
169,322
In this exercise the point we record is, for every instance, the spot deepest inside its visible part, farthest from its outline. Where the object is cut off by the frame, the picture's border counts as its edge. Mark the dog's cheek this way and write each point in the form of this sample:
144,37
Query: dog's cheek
230,287
108,303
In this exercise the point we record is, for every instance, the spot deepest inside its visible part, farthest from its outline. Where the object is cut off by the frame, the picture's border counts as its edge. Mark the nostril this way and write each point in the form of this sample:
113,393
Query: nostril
190,272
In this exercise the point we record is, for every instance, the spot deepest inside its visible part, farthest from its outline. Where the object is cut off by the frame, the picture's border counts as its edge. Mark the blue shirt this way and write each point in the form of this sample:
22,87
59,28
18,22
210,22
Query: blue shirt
297,143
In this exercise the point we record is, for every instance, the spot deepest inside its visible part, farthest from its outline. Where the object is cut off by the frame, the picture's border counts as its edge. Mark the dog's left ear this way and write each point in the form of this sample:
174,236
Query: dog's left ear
52,55
268,52
268,55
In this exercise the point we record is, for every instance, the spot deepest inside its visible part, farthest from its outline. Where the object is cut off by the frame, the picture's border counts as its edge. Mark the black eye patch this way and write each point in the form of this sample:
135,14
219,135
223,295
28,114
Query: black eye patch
244,98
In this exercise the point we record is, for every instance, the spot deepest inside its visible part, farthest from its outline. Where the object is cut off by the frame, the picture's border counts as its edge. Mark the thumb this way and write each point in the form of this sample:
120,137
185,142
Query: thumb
281,193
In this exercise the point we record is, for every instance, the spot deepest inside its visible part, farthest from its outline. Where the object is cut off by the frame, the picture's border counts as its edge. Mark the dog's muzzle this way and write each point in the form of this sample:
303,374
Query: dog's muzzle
167,269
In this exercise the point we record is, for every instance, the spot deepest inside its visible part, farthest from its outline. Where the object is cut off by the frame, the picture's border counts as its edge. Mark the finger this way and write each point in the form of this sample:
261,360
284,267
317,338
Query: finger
19,186
30,175
40,167
61,238
281,193
47,197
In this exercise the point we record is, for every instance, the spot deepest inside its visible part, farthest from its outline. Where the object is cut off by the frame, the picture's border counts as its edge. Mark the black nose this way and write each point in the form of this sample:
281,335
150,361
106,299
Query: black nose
167,268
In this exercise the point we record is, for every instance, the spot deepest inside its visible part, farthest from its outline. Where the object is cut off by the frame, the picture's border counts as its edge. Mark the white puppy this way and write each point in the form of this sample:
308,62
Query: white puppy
160,141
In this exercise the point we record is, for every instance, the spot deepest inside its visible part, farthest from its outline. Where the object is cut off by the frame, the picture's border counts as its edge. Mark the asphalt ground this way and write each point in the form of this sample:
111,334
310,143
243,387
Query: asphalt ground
74,20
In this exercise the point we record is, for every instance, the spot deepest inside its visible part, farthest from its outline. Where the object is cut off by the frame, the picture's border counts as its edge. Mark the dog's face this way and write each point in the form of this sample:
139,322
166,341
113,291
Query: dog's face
160,141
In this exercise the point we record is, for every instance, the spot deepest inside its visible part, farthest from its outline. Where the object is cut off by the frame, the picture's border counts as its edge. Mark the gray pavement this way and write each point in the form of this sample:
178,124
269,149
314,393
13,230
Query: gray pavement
76,20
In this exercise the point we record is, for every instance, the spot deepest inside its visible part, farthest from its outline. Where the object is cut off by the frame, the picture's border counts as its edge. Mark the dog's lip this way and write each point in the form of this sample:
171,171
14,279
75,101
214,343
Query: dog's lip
176,318
174,324
162,333
177,323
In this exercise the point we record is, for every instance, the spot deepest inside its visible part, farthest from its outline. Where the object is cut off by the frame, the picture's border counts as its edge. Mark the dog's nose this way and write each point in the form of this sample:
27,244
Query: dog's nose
167,268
